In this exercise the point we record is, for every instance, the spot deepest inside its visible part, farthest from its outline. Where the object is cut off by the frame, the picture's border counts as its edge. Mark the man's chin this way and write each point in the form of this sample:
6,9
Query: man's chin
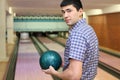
69,24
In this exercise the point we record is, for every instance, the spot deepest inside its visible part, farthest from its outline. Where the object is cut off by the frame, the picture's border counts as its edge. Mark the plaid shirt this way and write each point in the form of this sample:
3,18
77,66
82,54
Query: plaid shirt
82,45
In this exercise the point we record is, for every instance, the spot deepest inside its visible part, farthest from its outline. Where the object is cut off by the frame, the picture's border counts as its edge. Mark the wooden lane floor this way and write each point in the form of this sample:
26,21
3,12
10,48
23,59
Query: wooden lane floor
4,64
102,75
3,68
111,60
27,65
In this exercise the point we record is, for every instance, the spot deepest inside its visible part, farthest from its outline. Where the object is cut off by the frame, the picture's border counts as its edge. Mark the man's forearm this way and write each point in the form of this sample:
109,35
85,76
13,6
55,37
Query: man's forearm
66,75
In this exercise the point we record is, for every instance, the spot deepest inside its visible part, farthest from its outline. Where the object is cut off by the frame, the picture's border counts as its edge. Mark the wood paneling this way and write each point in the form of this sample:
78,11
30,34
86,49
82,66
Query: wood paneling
107,28
113,23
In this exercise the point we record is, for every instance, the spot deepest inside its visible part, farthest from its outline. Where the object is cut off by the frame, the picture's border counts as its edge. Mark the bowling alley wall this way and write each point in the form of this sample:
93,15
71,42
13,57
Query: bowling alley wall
107,28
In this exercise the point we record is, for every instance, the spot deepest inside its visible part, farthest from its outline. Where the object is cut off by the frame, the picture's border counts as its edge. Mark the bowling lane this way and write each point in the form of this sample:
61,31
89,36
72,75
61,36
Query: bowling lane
111,60
27,65
102,75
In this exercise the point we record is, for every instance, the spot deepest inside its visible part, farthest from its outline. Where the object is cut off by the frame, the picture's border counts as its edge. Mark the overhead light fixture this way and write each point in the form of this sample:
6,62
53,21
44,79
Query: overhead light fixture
14,14
94,12
112,9
10,10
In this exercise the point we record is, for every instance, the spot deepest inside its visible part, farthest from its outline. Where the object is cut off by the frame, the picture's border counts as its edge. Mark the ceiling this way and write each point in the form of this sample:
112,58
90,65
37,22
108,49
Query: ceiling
51,7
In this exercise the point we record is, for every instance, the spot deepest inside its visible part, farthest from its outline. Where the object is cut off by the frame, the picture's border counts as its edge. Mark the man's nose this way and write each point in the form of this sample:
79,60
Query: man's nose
65,14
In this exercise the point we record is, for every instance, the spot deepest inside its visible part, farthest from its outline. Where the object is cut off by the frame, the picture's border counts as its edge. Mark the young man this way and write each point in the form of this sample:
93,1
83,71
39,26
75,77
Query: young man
81,51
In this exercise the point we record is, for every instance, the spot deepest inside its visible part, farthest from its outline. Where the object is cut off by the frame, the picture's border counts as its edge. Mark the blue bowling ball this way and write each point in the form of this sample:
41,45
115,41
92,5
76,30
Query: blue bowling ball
50,58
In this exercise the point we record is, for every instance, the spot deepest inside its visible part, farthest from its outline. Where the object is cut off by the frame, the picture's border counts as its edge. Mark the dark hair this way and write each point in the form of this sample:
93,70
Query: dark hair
76,3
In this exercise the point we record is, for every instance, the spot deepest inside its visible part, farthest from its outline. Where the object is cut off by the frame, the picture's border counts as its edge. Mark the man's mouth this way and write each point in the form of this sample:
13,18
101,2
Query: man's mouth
67,20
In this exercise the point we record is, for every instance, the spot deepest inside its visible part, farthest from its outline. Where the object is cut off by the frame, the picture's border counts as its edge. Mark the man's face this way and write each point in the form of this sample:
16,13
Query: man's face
71,15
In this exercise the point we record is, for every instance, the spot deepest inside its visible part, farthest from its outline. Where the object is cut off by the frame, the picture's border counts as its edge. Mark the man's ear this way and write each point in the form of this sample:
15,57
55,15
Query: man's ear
81,12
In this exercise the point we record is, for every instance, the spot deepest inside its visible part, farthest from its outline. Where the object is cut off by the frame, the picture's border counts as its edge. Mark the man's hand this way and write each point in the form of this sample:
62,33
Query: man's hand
51,70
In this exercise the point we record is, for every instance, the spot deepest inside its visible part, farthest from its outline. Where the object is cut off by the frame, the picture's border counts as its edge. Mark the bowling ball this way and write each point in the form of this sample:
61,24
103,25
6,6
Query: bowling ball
50,58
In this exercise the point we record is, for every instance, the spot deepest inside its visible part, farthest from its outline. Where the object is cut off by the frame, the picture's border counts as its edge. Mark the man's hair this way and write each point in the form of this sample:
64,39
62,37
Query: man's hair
76,3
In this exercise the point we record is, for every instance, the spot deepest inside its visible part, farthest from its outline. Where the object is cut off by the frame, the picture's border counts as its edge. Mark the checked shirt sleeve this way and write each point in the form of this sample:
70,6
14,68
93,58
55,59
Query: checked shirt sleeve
77,47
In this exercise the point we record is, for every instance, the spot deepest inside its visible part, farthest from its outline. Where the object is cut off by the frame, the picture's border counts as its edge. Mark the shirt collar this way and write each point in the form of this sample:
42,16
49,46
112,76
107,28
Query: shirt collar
81,21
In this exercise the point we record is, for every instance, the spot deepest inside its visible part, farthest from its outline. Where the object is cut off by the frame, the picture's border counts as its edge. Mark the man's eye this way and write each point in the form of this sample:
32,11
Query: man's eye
63,12
69,10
